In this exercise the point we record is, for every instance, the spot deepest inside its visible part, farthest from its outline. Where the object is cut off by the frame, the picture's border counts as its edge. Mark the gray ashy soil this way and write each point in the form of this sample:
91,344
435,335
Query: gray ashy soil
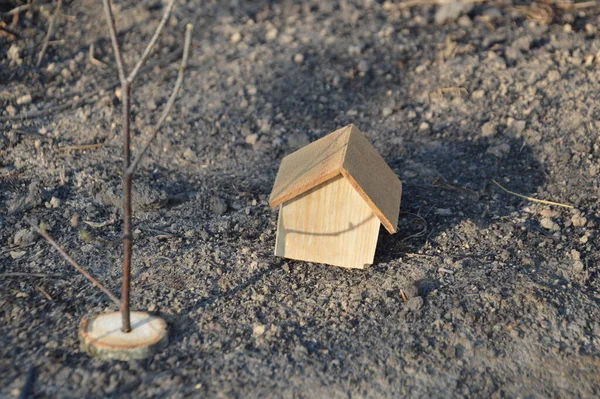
502,294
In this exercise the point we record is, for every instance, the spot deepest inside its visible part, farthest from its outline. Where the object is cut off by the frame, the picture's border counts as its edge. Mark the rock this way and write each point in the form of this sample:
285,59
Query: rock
548,224
488,129
74,220
512,53
24,237
516,126
443,212
578,220
235,38
451,11
423,127
24,99
354,51
12,111
499,151
299,58
478,94
55,202
189,154
252,138
271,34
218,206
17,254
363,66
387,111
14,55
258,330
415,303
465,22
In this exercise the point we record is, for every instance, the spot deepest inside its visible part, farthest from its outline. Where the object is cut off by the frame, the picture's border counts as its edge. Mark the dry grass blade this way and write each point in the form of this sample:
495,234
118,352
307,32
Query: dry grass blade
531,198
49,34
81,147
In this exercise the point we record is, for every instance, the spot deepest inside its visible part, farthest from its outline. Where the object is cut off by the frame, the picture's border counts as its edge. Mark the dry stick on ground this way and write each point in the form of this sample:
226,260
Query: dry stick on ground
531,198
49,34
129,168
72,261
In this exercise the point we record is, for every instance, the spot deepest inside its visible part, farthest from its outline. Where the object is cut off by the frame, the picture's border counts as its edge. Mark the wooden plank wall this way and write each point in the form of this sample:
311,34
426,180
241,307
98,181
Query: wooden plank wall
329,224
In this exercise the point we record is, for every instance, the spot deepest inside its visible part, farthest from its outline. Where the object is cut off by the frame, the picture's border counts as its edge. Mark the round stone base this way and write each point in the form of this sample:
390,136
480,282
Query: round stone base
101,336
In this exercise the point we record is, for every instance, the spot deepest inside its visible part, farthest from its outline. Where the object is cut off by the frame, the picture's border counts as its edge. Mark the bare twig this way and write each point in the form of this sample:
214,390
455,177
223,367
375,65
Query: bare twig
112,28
93,60
73,263
174,93
531,198
129,168
44,292
23,274
49,34
152,42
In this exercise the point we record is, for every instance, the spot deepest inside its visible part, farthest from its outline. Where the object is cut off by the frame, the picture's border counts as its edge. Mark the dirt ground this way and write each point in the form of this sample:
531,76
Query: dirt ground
480,294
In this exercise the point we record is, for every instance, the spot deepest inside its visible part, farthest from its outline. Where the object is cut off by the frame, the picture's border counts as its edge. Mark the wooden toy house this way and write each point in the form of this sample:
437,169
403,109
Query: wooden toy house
334,194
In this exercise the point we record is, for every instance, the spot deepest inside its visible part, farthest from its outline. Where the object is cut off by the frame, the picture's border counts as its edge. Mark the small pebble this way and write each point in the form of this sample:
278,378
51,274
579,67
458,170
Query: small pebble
424,126
549,224
298,58
578,220
24,237
271,34
258,330
252,138
24,100
55,202
236,38
488,129
387,111
415,303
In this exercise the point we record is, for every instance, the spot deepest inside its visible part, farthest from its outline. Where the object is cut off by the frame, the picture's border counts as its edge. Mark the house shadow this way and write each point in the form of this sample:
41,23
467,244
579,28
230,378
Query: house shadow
453,183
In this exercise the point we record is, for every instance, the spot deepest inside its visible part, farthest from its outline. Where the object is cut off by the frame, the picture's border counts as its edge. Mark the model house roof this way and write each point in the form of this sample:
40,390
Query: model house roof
347,152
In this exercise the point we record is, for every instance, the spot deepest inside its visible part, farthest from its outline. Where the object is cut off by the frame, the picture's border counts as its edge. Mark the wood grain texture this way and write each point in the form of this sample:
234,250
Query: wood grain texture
374,180
330,223
348,152
310,166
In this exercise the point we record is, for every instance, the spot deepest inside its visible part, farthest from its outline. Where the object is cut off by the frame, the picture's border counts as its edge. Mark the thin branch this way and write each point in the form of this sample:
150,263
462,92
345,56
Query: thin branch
165,113
110,18
49,34
152,42
72,261
531,198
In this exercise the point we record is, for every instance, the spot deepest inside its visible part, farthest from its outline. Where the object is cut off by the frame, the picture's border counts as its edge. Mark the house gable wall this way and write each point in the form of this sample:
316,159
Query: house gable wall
329,224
